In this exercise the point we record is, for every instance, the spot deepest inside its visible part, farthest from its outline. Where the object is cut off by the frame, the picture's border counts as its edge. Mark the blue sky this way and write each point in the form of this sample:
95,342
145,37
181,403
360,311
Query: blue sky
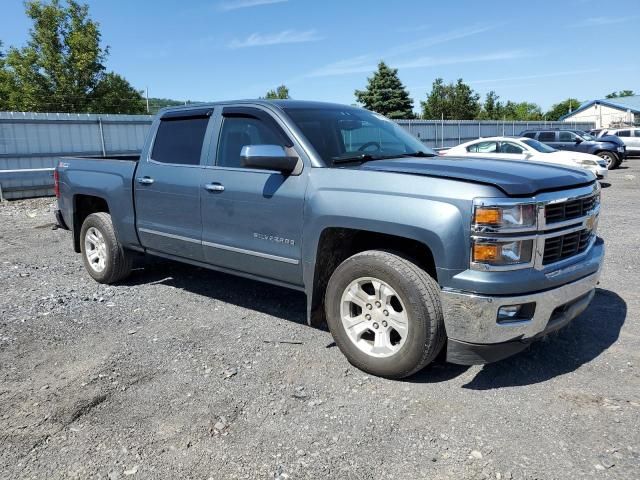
541,51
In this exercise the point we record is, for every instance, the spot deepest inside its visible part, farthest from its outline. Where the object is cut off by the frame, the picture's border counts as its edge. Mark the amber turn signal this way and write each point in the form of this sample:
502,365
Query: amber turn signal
488,216
485,252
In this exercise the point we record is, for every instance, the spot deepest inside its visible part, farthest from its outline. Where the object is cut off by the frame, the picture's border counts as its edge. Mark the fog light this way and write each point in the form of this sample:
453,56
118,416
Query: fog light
516,313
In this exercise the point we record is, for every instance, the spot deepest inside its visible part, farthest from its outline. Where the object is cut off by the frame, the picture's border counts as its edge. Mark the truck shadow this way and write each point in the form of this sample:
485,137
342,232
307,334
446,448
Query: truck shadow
272,300
583,340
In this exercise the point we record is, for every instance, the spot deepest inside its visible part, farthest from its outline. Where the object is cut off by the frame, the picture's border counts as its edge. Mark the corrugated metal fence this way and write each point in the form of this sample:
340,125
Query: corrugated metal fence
30,142
449,133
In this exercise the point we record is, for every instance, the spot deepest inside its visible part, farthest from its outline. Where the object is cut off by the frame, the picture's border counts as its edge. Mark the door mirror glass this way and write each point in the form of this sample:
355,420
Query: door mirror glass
268,157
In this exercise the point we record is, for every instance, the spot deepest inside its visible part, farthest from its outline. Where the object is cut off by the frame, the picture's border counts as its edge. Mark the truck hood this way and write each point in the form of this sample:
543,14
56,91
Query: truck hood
513,177
611,139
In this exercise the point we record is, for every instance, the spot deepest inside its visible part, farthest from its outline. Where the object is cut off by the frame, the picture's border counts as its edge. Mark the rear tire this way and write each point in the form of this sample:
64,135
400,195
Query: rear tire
405,329
104,258
611,158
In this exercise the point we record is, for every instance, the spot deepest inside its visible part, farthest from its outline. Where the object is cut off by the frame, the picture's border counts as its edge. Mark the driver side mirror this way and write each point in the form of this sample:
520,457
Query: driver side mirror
268,157
578,140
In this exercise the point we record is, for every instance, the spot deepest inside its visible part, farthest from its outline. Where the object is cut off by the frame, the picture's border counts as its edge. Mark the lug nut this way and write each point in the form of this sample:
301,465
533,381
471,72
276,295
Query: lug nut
378,304
386,313
369,306
367,316
375,325
384,323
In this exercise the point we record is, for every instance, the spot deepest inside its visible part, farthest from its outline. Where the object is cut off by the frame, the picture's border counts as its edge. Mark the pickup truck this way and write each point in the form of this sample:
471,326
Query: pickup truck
402,253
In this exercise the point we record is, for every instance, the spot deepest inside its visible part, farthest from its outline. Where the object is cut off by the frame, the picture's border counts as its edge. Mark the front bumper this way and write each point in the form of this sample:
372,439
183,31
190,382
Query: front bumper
600,172
476,337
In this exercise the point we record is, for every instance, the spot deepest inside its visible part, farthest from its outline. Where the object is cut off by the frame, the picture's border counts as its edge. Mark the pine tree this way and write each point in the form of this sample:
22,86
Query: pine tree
280,93
386,94
455,101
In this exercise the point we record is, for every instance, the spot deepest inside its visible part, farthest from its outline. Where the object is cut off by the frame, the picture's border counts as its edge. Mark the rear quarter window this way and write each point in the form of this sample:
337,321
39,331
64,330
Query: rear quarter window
179,141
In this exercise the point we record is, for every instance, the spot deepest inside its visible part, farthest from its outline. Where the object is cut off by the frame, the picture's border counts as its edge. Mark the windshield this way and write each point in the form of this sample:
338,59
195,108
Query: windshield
354,134
584,135
536,145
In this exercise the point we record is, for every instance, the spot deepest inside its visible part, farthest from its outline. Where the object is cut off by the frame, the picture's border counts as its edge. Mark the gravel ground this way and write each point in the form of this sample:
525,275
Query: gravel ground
187,373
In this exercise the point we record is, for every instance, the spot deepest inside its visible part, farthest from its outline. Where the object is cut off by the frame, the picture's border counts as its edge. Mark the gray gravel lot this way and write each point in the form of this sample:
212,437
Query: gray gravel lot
179,373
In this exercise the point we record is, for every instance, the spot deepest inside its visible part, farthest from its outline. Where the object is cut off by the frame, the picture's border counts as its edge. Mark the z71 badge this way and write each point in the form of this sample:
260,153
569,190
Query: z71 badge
274,239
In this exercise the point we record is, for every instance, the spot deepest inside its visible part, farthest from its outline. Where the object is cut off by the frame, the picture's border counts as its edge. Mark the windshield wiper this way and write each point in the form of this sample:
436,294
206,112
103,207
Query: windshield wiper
418,154
361,157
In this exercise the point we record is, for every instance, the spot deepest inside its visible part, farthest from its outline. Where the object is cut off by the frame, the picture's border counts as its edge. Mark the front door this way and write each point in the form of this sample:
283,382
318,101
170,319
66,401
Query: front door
167,186
252,219
568,141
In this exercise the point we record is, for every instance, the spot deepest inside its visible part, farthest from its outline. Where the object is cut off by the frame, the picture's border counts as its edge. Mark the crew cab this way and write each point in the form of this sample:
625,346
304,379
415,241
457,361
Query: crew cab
402,253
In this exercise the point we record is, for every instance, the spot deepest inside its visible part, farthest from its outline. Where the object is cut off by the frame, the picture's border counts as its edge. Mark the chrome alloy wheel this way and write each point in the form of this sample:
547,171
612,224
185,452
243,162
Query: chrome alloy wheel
374,317
608,158
95,248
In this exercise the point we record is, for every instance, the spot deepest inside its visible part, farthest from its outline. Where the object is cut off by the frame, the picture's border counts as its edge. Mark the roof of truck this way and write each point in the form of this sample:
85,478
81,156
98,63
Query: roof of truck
279,103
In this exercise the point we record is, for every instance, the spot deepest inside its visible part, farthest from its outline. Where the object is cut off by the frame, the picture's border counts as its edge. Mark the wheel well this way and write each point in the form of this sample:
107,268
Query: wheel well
83,206
338,244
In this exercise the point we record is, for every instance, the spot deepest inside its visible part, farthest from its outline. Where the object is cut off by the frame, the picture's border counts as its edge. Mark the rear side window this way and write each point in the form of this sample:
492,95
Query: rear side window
624,133
547,137
483,147
637,133
179,140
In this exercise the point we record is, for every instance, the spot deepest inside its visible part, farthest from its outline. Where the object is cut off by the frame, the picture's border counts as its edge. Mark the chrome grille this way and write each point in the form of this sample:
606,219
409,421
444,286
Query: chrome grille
563,211
565,246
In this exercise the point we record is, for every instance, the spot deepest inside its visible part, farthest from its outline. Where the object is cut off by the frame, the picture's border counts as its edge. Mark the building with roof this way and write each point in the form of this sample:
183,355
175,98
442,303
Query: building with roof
607,112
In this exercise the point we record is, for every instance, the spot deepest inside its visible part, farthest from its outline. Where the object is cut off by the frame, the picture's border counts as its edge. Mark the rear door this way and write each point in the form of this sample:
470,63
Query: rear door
167,186
252,218
511,151
549,137
635,141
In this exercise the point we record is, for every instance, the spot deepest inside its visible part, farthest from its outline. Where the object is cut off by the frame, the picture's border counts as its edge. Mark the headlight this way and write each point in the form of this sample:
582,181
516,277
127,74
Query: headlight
621,149
496,253
504,217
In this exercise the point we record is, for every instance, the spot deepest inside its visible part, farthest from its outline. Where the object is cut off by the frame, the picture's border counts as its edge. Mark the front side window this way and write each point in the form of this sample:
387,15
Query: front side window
340,134
483,147
547,136
567,137
624,133
508,147
541,147
530,135
179,140
238,132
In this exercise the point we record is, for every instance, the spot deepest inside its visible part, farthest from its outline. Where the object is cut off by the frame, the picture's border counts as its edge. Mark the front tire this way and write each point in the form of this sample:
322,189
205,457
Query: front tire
611,158
384,314
104,258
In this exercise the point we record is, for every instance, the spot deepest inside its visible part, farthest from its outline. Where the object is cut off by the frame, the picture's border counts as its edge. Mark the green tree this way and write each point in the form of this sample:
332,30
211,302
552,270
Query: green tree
621,93
386,94
61,68
562,108
521,111
451,101
491,108
113,94
280,93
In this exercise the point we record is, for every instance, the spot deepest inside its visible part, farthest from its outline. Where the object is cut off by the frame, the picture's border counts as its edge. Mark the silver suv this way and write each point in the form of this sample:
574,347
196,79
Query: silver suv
629,135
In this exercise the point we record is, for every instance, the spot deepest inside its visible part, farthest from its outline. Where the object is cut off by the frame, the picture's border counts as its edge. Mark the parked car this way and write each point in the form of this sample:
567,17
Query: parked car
524,148
611,149
630,137
400,251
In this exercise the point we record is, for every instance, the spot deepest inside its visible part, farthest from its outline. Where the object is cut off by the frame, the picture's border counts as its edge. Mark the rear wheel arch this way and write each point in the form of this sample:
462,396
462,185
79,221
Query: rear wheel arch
83,206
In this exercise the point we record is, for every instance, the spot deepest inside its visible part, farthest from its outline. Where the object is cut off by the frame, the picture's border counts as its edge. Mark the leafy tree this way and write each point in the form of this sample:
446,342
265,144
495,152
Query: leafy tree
386,94
62,65
562,108
280,93
521,111
492,107
113,94
621,93
452,101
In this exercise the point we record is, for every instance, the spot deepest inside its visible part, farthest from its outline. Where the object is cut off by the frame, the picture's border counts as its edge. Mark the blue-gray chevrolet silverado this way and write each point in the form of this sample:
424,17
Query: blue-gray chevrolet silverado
401,252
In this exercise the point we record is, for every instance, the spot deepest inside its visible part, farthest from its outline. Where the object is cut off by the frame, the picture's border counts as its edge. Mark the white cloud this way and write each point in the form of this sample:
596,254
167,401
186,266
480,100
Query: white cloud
535,76
368,62
286,36
237,4
602,21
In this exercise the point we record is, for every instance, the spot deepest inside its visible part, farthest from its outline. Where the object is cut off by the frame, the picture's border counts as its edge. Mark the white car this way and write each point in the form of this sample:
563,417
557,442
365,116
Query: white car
523,148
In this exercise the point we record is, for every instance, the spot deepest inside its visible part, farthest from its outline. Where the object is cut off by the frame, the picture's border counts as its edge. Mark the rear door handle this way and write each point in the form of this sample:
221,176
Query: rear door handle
214,187
145,180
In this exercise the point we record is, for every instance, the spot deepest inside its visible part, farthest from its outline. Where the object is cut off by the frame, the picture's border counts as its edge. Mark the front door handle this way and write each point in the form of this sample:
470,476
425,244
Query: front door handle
214,187
145,180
